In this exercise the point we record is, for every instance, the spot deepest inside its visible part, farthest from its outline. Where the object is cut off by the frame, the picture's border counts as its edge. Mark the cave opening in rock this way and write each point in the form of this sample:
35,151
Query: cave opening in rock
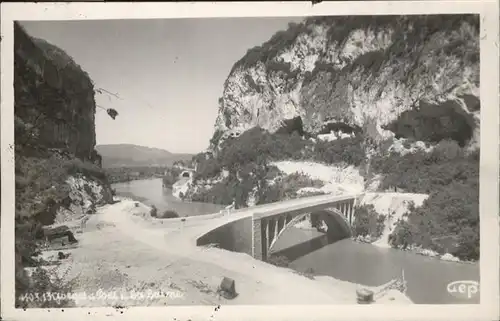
289,126
433,123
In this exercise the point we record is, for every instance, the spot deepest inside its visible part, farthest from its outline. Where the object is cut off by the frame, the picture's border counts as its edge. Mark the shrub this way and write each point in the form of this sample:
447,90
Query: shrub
207,168
169,214
447,150
422,172
171,176
368,222
286,188
402,236
225,192
347,150
77,166
154,211
448,221
27,244
280,260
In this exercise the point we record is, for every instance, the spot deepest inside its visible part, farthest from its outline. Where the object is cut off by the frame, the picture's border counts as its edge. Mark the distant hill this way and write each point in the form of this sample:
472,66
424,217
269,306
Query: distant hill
128,155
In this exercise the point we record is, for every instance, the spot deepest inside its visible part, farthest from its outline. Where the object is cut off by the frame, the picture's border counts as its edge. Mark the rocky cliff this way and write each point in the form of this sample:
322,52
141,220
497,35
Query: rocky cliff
54,132
358,104
409,76
54,98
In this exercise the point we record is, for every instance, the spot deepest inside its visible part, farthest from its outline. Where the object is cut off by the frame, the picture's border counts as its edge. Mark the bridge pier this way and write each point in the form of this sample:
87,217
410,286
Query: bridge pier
257,239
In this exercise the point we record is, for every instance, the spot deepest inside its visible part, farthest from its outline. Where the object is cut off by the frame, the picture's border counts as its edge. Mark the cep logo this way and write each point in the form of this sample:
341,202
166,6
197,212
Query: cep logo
463,289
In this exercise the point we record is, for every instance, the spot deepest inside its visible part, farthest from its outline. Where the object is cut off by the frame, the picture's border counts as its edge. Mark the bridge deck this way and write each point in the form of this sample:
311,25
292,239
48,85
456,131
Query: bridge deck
218,220
302,208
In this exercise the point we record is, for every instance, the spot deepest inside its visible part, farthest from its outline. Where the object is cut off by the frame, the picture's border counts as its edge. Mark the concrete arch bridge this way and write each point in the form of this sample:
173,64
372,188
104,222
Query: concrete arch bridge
255,230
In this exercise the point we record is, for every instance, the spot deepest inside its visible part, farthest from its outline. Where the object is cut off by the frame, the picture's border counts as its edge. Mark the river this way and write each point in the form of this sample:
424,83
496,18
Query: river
347,260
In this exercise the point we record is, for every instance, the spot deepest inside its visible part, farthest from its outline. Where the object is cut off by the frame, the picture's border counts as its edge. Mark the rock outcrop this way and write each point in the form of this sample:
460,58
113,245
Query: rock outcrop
54,99
390,73
57,167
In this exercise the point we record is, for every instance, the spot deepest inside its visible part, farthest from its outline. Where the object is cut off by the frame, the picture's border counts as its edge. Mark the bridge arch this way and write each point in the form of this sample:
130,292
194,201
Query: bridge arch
337,225
253,230
269,226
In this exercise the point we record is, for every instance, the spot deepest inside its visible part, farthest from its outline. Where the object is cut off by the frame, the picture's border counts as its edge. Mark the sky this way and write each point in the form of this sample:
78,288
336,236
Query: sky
168,73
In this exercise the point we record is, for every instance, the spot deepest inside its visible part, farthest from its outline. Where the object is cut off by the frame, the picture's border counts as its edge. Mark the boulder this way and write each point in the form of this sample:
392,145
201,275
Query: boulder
364,296
227,288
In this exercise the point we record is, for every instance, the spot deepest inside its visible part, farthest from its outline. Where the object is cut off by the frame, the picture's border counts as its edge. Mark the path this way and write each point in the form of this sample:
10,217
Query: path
123,249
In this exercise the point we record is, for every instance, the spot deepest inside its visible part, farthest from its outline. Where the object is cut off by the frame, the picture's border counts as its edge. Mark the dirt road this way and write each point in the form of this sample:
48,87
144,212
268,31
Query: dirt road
127,258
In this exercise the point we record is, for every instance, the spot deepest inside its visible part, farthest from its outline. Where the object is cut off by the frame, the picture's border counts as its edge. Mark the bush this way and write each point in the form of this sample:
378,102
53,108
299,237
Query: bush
171,176
286,188
225,192
402,236
77,166
169,214
347,150
154,211
249,154
451,178
280,261
27,244
207,168
422,172
368,222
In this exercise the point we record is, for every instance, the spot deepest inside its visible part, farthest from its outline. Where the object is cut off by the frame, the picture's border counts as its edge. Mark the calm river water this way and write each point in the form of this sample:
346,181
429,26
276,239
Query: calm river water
346,260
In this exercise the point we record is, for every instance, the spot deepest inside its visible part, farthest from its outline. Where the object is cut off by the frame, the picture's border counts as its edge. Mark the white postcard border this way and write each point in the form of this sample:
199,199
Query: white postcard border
489,203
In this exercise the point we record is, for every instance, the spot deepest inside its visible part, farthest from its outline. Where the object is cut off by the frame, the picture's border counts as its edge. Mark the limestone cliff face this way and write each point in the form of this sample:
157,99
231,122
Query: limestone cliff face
58,172
350,73
54,99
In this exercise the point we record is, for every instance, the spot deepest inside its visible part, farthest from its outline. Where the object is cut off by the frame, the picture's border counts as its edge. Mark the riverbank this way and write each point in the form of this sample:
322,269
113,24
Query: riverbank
123,249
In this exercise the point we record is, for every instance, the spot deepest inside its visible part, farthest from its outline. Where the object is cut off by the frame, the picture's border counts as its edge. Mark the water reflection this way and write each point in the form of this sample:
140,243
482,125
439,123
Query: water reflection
347,260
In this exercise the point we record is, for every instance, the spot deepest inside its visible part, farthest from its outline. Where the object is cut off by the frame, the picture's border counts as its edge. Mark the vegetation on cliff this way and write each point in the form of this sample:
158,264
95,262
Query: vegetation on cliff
247,160
368,223
448,221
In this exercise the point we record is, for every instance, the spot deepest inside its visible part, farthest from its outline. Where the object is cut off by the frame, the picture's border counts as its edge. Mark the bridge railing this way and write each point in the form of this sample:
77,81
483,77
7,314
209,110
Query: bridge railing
301,200
308,204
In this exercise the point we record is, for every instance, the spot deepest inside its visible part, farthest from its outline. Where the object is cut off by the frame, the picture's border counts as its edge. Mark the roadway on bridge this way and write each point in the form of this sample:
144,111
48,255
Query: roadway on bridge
194,227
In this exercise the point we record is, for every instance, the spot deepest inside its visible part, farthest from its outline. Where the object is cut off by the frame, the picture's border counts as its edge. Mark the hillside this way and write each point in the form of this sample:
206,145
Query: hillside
381,103
128,155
